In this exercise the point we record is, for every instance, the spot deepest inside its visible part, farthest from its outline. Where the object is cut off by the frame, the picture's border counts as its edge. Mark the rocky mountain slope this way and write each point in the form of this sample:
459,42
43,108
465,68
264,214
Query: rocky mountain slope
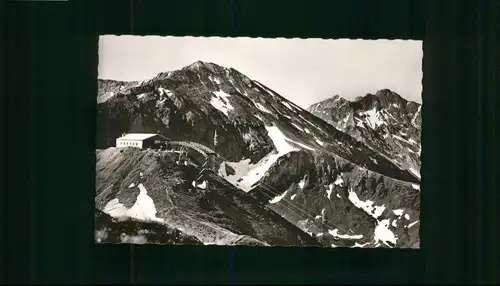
341,204
148,185
385,121
289,161
109,88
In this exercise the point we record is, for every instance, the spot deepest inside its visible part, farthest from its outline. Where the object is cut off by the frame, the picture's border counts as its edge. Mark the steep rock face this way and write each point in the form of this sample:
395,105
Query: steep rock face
384,121
147,185
340,203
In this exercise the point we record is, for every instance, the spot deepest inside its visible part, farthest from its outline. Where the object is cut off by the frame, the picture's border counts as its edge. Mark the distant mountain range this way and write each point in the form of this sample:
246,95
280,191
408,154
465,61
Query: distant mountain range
340,174
386,122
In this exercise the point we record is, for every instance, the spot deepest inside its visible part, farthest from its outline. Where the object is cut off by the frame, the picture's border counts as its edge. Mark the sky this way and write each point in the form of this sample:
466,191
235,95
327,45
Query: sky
304,71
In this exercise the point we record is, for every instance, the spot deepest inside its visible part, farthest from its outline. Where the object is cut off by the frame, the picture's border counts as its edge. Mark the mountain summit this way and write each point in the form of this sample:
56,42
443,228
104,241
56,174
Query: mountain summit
324,181
385,121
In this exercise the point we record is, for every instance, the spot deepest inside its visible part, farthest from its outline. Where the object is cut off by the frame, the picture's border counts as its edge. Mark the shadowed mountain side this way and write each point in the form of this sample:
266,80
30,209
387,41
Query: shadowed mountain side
210,209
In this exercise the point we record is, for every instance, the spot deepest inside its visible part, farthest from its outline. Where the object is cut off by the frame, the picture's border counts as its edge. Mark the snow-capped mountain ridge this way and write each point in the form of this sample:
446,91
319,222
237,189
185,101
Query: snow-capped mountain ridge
385,121
267,139
218,81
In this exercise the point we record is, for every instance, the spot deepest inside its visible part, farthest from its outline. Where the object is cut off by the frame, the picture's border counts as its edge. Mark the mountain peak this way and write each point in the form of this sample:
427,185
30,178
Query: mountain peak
201,64
332,99
384,91
359,97
388,95
383,94
197,64
381,99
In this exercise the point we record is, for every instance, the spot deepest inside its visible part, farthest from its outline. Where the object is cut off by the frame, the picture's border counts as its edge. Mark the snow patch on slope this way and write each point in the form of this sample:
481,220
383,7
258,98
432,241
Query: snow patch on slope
359,123
360,245
319,141
329,191
262,108
298,127
367,206
278,198
400,138
383,233
413,223
398,212
202,186
372,118
279,140
344,122
258,117
221,102
287,105
214,79
394,223
164,91
339,181
302,183
105,97
246,174
414,172
144,208
115,209
335,233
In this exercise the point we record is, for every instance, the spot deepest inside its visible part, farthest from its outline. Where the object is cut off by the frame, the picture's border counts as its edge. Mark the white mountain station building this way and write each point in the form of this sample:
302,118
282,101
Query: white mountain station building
141,140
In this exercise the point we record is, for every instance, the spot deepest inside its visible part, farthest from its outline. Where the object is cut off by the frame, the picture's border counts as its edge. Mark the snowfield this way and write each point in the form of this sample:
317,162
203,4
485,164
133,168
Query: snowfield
221,102
144,208
246,174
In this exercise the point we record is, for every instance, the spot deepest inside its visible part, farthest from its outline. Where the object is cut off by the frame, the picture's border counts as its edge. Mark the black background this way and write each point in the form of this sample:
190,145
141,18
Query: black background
50,94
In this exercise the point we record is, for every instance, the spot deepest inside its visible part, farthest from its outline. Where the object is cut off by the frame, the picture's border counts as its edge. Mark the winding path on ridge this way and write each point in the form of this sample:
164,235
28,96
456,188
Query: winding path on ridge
202,149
